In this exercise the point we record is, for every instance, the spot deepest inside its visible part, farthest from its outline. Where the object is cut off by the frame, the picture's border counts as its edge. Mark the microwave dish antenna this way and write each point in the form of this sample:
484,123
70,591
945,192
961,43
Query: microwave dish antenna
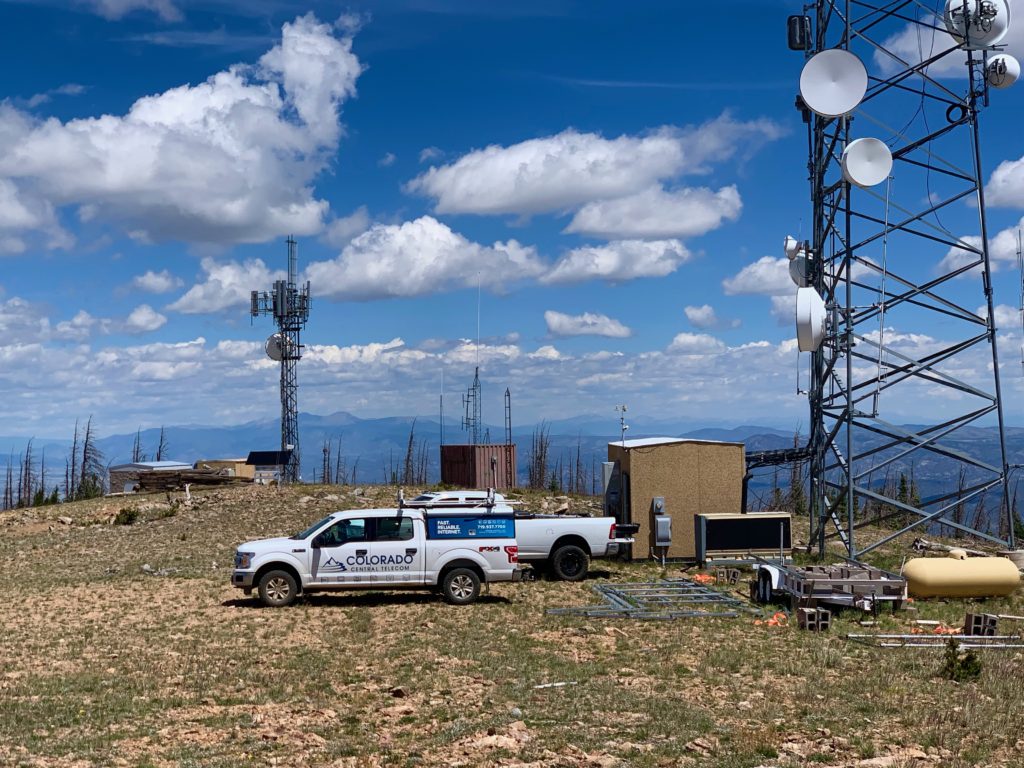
791,246
977,24
1003,70
798,270
811,319
275,347
833,82
866,162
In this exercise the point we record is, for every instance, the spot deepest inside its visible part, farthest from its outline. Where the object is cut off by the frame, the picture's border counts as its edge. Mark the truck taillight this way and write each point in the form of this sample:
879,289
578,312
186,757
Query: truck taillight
513,554
611,532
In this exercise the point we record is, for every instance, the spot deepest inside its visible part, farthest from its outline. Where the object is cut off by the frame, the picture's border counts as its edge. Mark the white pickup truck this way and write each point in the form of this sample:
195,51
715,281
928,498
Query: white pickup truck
451,552
563,543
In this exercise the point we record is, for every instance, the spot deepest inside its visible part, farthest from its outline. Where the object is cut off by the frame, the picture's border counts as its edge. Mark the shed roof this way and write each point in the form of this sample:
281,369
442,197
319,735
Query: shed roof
644,442
269,458
151,466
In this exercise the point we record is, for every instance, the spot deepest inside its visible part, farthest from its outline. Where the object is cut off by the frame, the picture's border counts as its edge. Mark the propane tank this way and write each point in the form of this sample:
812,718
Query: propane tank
971,577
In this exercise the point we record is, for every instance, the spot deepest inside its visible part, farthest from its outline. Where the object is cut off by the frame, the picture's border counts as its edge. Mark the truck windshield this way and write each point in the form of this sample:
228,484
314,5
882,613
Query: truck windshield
313,528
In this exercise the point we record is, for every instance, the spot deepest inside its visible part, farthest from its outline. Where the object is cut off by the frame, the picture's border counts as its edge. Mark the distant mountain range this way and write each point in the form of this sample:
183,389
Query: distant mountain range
374,446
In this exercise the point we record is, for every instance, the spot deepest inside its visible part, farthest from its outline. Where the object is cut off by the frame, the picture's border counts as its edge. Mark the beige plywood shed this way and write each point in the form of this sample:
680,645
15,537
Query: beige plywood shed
693,476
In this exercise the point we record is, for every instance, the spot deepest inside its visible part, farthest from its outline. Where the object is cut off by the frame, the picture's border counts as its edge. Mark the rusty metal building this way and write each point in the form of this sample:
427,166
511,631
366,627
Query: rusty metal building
479,466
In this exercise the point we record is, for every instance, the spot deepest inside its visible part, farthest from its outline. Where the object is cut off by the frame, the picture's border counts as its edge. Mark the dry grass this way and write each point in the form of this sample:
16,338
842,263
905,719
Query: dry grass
102,664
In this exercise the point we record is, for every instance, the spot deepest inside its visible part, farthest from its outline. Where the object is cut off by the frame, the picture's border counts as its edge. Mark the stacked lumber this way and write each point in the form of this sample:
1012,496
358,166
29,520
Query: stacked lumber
176,481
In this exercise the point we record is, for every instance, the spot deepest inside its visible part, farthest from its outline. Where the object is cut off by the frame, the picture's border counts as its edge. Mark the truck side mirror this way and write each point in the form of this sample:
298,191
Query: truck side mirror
318,541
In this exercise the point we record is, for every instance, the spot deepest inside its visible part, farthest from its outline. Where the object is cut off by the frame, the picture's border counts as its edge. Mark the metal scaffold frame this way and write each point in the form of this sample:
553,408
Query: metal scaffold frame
868,254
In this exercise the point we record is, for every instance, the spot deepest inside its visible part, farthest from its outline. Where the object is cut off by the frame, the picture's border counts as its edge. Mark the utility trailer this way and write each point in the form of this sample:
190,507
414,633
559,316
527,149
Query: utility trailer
849,585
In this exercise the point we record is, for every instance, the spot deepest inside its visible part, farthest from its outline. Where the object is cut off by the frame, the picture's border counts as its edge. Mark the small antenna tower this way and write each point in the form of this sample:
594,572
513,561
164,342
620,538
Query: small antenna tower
510,469
623,426
471,408
289,304
471,404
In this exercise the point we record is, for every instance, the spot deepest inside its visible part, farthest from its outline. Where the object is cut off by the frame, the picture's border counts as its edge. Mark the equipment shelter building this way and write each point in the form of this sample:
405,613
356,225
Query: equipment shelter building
693,476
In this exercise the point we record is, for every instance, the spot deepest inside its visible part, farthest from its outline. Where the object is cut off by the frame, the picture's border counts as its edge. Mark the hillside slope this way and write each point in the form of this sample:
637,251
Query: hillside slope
125,645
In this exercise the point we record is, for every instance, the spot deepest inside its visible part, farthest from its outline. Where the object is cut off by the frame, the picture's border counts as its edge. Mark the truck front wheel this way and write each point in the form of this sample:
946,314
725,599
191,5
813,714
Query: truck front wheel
277,589
460,586
570,563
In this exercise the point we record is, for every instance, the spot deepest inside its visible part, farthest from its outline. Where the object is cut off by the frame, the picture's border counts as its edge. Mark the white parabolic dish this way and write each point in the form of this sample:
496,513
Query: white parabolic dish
798,269
833,82
866,162
1002,71
791,245
810,319
275,347
986,24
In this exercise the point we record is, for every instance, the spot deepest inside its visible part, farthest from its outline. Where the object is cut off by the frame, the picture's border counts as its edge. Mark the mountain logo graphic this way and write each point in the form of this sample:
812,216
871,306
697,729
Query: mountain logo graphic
333,565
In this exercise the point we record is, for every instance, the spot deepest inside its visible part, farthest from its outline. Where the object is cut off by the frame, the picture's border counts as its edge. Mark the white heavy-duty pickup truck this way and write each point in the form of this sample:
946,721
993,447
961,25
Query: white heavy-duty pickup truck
564,544
453,553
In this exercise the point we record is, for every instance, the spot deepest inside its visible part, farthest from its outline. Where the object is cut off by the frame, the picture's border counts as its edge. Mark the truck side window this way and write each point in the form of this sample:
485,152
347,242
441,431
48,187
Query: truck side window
343,532
394,529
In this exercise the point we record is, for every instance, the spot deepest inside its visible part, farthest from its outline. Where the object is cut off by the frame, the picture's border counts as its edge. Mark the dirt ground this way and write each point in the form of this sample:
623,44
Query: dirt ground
125,645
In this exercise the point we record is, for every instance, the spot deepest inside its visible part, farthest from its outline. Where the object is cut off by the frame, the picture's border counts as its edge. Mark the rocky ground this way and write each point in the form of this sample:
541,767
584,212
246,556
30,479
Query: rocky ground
124,645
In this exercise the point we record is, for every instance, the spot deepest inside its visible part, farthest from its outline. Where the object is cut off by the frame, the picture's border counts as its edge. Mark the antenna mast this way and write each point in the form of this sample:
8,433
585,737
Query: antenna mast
1020,309
289,304
471,406
510,468
936,160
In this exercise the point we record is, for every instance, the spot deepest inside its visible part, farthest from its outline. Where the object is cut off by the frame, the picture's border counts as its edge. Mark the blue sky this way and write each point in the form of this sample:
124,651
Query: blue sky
616,180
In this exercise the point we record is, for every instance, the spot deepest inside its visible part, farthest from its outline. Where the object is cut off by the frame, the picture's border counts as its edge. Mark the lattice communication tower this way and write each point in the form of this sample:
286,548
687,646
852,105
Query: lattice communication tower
289,304
894,156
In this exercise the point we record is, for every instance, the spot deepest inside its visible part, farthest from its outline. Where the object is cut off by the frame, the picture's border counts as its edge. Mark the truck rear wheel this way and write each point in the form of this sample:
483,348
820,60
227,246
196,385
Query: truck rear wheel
460,586
278,589
570,563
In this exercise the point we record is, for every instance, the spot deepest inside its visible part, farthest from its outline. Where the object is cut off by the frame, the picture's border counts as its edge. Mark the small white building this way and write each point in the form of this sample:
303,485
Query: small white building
124,478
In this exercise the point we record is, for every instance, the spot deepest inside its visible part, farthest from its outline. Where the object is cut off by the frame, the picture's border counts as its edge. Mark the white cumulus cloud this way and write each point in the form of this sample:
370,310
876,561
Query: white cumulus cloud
226,285
656,213
569,169
419,257
705,318
587,324
619,260
340,231
547,352
143,319
1002,250
696,344
231,159
1007,318
767,276
157,282
1006,185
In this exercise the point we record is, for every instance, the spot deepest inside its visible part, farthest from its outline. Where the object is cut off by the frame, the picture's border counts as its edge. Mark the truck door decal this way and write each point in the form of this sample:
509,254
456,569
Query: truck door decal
464,527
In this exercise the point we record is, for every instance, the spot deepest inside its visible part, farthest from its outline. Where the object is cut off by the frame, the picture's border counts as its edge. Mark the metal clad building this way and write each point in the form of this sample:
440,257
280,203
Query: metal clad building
479,466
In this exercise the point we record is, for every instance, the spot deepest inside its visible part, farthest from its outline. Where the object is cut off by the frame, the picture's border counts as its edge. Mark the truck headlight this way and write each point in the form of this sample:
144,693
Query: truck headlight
243,560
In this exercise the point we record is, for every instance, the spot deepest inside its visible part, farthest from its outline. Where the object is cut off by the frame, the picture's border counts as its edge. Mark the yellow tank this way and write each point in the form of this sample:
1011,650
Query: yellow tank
973,577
